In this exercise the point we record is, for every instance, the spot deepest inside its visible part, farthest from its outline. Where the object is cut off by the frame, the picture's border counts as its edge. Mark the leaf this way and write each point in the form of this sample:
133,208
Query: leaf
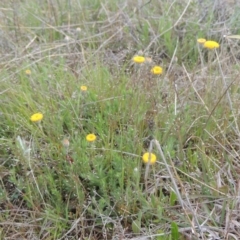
232,36
173,198
174,231
224,189
161,235
23,145
136,226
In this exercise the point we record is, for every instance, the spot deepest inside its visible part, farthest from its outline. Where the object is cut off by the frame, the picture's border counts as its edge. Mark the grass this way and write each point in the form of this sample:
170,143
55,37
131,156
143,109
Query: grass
54,184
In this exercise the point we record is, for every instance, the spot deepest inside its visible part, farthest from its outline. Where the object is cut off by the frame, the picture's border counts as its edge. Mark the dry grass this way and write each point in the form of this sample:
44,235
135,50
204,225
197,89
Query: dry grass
188,117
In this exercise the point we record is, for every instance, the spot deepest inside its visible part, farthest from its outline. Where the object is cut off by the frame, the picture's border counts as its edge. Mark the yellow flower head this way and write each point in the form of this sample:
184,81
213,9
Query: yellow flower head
157,70
28,72
91,137
201,40
83,88
36,117
138,59
149,158
211,44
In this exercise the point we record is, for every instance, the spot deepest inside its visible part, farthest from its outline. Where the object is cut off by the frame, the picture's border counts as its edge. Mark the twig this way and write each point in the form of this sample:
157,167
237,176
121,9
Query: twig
170,172
227,92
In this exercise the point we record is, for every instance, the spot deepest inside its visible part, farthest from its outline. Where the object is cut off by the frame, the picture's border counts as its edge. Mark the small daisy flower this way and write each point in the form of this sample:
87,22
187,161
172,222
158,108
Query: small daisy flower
83,88
91,137
138,59
201,40
157,70
36,117
28,72
211,44
149,158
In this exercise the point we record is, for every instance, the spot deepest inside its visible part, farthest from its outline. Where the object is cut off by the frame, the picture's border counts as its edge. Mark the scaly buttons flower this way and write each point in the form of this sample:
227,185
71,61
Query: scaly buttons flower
83,88
36,117
149,158
201,40
91,137
157,70
138,59
211,44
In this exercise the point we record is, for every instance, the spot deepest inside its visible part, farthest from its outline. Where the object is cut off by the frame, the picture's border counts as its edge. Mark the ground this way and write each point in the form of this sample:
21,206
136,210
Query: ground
117,122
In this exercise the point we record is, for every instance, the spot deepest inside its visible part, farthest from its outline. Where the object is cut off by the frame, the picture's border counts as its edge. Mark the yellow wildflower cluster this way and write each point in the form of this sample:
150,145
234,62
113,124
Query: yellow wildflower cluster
156,70
209,44
149,158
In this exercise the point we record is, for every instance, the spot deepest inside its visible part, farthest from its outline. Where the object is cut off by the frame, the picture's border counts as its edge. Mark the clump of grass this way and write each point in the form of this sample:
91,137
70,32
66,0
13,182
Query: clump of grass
115,122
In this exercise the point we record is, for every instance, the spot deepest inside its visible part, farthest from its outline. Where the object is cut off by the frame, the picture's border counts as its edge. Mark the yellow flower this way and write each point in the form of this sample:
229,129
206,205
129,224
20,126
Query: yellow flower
211,44
138,59
149,158
201,40
91,137
28,72
83,88
157,70
36,117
